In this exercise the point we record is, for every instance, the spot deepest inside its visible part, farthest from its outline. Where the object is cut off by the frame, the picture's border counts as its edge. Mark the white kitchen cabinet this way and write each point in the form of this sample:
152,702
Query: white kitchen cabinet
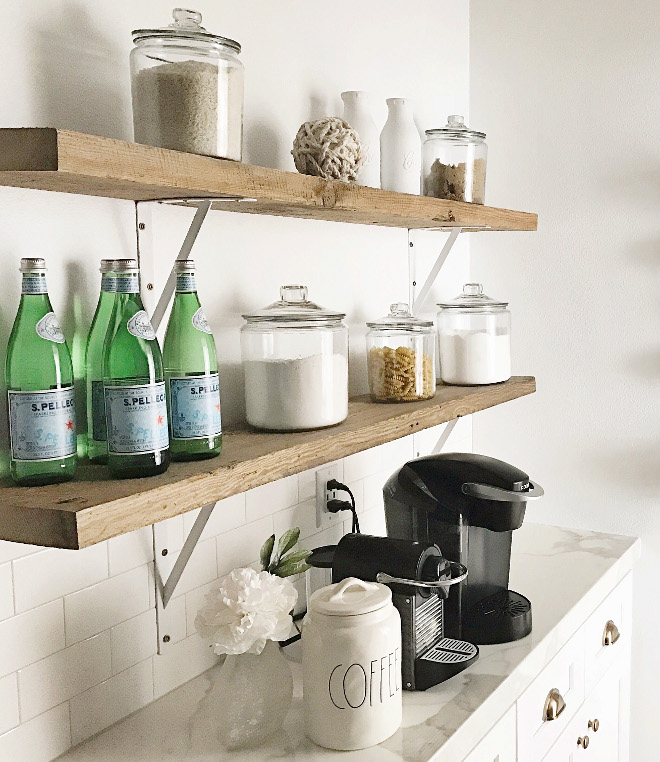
500,743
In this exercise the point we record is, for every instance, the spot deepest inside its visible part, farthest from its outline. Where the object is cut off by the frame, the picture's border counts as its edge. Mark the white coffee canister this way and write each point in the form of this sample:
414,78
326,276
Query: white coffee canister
351,655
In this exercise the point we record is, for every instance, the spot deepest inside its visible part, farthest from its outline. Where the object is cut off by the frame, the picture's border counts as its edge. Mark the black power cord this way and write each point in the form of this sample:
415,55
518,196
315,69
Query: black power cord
334,506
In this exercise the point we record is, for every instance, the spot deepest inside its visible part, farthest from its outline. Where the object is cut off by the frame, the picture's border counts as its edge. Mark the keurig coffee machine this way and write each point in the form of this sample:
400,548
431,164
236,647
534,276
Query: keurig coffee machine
468,505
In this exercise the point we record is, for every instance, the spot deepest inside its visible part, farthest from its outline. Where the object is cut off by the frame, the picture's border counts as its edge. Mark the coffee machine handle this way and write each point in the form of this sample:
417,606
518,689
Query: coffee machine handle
458,572
488,492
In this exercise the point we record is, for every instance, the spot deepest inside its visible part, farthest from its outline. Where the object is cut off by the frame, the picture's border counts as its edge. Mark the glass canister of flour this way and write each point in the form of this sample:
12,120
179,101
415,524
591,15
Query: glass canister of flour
454,162
187,88
295,357
401,357
474,338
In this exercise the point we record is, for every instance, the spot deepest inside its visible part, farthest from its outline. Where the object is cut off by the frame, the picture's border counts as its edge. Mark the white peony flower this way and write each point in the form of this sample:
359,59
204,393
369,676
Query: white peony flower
247,609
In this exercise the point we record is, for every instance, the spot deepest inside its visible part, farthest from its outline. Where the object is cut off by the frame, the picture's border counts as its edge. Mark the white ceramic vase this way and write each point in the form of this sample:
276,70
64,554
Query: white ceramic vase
358,113
400,149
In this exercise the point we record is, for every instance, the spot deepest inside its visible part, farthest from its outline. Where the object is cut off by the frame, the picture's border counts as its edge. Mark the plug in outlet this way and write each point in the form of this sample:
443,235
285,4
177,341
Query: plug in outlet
323,476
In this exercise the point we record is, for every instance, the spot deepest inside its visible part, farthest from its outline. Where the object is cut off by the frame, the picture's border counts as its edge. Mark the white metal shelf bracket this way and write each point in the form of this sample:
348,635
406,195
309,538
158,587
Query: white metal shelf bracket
422,295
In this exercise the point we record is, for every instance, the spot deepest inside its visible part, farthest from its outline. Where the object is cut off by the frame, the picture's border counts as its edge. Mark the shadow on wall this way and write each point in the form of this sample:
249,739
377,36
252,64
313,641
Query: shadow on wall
262,146
7,315
81,79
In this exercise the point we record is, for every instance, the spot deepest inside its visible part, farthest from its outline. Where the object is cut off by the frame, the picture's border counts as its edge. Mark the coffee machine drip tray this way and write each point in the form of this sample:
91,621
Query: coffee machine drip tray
500,618
445,659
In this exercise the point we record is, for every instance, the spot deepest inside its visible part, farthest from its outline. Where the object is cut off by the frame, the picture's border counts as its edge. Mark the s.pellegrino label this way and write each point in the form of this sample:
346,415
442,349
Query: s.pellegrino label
200,322
185,283
49,328
140,326
136,418
42,425
34,284
195,402
98,412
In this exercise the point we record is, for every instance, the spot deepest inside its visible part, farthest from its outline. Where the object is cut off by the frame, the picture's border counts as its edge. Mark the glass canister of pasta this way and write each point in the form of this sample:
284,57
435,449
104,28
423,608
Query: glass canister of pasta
401,357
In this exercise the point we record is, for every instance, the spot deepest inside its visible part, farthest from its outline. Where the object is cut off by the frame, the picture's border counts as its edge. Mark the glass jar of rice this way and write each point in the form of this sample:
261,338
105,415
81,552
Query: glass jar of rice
401,357
187,88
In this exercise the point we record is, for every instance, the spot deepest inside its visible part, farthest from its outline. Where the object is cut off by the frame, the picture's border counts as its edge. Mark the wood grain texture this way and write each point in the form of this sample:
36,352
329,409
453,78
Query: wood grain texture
74,162
94,507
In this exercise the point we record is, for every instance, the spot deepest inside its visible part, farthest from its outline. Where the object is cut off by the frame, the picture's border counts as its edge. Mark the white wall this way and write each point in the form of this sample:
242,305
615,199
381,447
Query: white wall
77,636
567,93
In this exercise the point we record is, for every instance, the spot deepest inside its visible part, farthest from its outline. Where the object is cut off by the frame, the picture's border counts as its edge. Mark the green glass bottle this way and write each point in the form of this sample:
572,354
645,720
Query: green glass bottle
97,446
191,374
39,378
133,385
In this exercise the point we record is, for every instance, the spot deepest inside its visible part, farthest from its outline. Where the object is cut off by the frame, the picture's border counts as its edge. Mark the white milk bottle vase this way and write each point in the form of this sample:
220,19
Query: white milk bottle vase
358,113
400,149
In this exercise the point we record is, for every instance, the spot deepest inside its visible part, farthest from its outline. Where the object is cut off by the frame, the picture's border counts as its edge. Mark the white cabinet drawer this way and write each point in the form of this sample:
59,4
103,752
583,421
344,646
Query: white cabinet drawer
564,673
616,609
500,743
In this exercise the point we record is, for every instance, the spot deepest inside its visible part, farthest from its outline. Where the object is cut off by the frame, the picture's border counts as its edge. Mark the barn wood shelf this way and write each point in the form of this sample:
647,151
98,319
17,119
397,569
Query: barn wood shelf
94,507
74,162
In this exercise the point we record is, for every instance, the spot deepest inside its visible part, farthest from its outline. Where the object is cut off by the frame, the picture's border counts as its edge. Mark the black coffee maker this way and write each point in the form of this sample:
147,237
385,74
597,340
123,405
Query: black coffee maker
468,505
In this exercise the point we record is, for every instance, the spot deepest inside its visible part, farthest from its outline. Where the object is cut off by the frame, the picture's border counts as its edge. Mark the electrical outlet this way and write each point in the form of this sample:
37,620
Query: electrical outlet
323,476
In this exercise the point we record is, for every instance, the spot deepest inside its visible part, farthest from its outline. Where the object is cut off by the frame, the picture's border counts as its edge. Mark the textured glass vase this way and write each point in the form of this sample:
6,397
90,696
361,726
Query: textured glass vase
251,696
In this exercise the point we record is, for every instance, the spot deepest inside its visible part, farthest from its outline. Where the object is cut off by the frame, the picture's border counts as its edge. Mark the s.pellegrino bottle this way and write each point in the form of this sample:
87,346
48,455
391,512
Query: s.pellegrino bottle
191,373
97,446
39,378
133,385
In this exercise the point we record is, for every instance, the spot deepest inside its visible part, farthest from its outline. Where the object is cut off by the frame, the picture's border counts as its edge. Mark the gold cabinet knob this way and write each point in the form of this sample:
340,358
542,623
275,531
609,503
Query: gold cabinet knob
594,725
583,742
554,705
610,633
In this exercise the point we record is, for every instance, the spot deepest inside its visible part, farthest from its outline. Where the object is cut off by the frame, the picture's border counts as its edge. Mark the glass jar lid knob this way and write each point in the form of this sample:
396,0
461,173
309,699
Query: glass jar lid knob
187,19
399,309
455,121
293,293
473,289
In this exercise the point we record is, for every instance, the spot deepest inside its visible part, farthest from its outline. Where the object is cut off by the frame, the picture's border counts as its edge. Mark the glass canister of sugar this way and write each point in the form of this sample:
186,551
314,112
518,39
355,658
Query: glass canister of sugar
474,339
295,358
187,88
401,357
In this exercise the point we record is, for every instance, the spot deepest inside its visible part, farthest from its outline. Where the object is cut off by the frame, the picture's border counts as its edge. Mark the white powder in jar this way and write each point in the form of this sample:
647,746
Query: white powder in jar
475,357
296,394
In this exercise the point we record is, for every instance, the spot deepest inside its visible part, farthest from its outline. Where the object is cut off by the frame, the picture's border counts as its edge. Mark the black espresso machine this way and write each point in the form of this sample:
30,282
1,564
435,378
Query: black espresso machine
468,505
420,580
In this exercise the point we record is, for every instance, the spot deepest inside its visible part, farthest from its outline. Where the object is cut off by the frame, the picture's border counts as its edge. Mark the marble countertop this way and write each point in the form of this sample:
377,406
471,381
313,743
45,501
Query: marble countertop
565,573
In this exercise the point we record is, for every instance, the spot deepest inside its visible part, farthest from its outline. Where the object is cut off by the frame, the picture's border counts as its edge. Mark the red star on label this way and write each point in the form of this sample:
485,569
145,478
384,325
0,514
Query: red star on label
69,424
159,420
217,407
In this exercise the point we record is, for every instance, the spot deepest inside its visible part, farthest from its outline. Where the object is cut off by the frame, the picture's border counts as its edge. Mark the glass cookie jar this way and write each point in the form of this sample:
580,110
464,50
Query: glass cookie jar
295,358
401,357
187,88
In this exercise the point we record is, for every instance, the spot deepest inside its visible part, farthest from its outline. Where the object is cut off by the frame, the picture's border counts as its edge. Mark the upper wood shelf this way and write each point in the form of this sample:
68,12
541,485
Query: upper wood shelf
74,162
94,507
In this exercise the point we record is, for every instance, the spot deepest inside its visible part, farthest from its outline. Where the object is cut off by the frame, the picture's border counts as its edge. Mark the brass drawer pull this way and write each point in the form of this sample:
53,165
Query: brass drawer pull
583,742
594,725
554,706
610,633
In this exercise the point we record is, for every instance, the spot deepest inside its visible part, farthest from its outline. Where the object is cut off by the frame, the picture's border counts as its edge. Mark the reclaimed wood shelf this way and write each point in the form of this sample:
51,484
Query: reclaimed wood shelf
74,162
94,507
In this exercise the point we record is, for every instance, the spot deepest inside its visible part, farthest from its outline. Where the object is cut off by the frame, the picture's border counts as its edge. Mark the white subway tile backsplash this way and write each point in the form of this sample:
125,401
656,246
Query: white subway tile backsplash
110,701
6,592
241,546
174,620
130,550
270,498
373,522
372,486
39,740
172,529
11,550
28,637
63,675
388,456
201,568
133,641
182,662
304,517
8,703
228,514
106,604
45,576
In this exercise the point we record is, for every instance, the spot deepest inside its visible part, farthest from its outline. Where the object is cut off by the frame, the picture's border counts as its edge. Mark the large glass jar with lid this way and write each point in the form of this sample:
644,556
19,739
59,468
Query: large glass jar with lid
454,162
187,87
474,338
401,357
295,357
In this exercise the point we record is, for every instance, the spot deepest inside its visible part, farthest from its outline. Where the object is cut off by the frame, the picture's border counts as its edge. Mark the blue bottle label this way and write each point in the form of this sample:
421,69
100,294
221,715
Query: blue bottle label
185,283
42,425
200,322
136,418
128,283
34,284
108,283
98,412
49,328
195,405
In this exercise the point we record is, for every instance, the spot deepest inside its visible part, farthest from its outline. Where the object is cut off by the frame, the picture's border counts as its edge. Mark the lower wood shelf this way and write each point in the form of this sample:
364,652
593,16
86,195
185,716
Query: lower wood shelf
94,507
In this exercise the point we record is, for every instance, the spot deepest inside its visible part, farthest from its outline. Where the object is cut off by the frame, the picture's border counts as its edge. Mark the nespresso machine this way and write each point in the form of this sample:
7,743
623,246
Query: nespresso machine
420,580
468,505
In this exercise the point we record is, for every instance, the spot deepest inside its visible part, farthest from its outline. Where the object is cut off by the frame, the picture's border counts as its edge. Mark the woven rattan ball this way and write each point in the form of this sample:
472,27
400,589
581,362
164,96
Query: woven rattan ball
328,148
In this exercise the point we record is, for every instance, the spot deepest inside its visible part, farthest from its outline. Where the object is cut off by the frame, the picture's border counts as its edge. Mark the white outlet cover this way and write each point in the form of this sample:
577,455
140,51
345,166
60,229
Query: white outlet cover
323,476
